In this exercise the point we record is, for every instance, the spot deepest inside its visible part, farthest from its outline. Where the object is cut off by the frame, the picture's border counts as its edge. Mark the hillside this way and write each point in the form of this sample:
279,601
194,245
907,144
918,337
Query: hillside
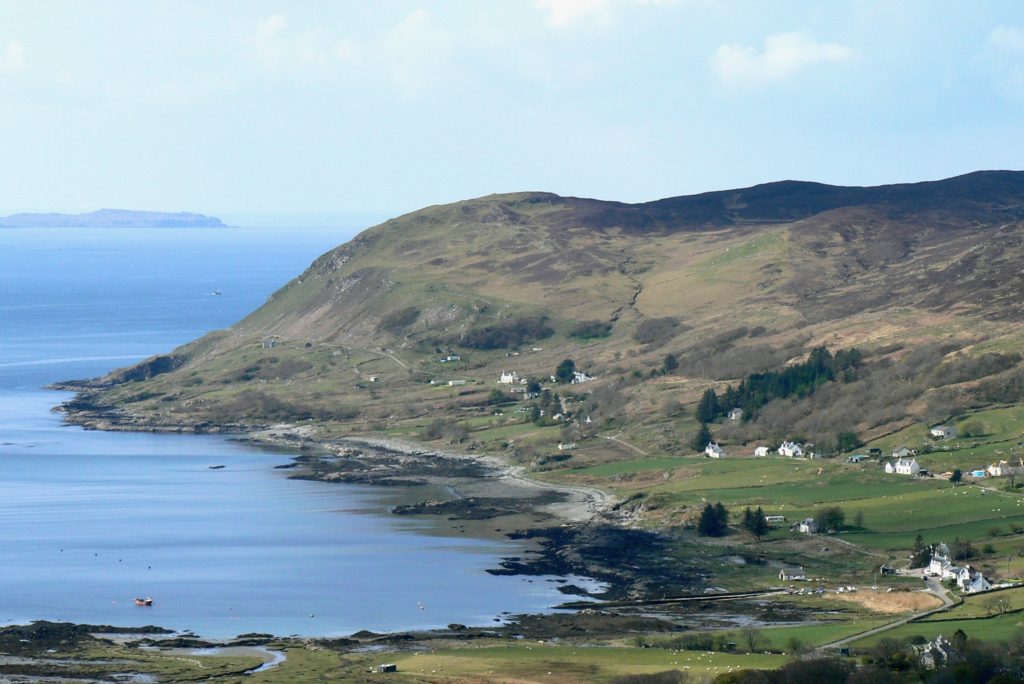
924,278
112,218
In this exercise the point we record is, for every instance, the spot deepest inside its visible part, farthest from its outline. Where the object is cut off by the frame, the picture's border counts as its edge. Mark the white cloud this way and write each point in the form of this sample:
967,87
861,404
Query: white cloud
12,58
782,56
415,51
1008,40
562,13
412,53
1005,58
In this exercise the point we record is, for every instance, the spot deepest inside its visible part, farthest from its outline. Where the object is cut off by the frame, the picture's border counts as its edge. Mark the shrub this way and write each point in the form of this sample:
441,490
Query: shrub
396,321
973,428
655,331
510,332
589,330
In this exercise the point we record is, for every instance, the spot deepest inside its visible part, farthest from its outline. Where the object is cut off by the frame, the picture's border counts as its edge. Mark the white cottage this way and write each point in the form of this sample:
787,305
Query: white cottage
507,378
903,466
792,575
806,526
761,451
735,414
791,449
943,432
972,581
1004,469
713,450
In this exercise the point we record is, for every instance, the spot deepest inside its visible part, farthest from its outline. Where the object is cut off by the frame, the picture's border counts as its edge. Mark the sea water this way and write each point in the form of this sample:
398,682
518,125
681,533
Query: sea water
90,520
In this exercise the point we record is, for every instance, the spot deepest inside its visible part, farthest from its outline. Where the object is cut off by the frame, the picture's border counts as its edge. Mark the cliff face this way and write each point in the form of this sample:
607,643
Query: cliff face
731,276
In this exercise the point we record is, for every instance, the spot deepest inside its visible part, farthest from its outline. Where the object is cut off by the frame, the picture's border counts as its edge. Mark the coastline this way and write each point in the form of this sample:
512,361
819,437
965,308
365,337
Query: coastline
367,459
569,530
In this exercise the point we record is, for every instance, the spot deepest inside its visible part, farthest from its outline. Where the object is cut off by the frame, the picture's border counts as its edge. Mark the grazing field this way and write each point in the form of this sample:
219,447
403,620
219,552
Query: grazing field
998,628
545,662
982,605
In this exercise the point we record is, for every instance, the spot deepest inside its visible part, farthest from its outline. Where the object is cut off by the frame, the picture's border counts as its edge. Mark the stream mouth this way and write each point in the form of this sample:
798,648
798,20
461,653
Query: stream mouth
271,658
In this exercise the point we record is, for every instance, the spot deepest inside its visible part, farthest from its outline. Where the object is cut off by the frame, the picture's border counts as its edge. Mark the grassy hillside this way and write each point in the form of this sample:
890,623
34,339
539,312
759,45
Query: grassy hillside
919,276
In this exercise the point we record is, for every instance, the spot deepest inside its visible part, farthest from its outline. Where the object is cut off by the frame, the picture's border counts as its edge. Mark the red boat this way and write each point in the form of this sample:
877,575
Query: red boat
144,601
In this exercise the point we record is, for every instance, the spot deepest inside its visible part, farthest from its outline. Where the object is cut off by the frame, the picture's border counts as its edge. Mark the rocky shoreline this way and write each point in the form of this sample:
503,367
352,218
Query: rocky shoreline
571,530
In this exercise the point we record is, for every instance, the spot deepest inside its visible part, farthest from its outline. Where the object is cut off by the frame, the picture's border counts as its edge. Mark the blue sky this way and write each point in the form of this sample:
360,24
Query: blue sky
382,107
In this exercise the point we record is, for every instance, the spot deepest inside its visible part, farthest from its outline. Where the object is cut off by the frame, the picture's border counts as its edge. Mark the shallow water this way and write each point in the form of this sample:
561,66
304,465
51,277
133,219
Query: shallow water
90,520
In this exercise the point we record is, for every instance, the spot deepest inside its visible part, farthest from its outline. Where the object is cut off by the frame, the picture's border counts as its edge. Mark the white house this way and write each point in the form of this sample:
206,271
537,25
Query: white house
806,526
797,575
791,449
971,581
936,653
712,450
507,378
903,466
566,446
1004,469
943,432
735,414
578,377
761,451
939,565
456,383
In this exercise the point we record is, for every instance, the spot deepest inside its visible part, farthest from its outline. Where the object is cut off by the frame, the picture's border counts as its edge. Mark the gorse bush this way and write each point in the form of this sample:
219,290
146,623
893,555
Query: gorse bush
508,333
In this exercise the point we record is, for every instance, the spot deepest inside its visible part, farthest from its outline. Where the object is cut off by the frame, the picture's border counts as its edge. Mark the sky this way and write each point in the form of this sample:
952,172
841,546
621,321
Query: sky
351,107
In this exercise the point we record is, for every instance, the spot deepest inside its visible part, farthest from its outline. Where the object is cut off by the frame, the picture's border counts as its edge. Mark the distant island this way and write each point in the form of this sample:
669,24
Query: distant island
112,218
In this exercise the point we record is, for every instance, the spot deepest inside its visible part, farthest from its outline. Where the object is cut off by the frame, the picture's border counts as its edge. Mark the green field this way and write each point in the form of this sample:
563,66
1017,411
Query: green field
573,663
999,628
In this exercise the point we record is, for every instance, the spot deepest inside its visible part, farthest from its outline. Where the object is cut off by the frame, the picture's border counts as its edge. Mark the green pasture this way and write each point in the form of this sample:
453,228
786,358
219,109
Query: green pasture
977,606
572,663
998,628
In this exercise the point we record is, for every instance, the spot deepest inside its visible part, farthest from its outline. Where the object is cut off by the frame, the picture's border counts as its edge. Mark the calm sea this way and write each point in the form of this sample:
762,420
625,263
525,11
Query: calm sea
90,520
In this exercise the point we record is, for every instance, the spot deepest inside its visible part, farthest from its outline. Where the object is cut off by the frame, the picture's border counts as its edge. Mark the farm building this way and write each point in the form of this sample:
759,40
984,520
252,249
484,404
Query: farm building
903,452
942,432
792,575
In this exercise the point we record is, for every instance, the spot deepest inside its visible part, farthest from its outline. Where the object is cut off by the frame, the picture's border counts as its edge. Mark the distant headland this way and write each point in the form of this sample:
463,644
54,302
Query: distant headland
112,218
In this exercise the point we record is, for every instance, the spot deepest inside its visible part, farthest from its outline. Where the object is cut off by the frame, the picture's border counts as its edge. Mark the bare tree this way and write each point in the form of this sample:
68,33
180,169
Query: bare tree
754,639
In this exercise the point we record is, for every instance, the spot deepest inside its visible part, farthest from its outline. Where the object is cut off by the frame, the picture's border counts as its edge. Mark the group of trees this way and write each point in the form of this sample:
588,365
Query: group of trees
508,333
830,519
755,522
714,521
799,380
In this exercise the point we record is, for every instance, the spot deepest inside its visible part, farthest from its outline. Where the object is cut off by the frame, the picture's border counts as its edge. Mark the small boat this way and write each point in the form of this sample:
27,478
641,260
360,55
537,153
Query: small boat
148,601
216,467
216,293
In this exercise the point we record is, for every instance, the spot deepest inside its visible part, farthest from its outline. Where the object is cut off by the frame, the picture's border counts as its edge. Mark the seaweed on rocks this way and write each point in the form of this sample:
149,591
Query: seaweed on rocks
632,563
